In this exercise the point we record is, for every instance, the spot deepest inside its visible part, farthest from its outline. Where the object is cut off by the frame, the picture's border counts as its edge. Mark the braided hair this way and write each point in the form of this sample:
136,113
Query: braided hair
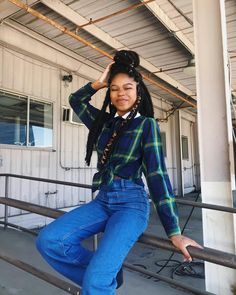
126,62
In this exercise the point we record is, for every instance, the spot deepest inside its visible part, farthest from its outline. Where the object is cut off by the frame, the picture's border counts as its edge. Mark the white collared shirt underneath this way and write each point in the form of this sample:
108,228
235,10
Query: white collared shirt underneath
127,114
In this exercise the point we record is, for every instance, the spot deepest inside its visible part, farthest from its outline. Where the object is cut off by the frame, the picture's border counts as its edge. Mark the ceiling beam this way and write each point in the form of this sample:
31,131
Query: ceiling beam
7,9
170,25
65,11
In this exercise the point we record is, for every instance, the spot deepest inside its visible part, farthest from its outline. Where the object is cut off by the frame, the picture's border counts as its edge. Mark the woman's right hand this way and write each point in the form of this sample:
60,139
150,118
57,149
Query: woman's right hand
102,81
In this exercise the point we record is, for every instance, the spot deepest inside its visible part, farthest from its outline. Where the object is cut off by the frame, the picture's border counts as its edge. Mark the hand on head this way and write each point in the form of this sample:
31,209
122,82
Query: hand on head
102,82
105,75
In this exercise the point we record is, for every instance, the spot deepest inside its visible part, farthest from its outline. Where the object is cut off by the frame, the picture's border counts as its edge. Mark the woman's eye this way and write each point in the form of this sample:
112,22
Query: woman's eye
116,89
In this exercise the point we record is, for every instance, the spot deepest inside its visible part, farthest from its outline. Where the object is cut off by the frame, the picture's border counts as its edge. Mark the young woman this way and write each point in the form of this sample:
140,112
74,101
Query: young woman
127,140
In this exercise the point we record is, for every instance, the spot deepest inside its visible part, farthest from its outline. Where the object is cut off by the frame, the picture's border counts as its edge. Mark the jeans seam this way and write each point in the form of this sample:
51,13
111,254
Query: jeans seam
66,236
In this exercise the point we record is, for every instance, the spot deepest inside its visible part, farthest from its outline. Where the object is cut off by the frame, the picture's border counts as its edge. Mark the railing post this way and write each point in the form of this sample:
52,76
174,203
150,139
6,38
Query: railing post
6,207
95,237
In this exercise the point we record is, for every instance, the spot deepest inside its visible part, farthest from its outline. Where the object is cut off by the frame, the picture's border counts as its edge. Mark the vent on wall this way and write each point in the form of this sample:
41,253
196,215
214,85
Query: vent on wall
66,114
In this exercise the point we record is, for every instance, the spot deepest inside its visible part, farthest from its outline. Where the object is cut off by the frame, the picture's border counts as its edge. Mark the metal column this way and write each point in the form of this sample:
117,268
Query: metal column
6,207
215,135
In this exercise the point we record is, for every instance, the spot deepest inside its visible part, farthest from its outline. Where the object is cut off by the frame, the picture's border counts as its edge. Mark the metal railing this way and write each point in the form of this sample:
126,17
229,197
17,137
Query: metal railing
207,254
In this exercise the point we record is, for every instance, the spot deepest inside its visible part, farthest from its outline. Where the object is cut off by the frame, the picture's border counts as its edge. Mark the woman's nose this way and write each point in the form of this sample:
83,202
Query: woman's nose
121,92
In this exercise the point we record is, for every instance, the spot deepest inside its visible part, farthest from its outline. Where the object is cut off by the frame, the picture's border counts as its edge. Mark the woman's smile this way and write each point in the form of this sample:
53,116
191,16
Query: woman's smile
121,101
123,93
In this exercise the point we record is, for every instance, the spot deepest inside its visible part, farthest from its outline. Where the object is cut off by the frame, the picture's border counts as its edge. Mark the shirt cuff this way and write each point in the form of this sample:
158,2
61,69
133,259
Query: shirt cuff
173,232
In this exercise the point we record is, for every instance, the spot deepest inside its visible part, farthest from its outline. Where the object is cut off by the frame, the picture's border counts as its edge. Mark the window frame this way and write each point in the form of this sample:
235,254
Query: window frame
36,99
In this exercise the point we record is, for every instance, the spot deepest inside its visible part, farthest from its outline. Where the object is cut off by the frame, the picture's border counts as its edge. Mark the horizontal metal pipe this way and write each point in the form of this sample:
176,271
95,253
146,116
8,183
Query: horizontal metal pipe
52,213
205,205
57,25
178,200
32,232
63,285
207,254
170,281
47,180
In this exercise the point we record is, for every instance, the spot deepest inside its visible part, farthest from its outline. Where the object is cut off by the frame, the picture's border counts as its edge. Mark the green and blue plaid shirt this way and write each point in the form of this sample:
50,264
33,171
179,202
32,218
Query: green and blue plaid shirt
139,150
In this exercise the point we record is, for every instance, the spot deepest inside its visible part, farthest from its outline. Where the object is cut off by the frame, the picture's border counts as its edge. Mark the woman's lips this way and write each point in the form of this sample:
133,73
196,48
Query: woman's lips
121,101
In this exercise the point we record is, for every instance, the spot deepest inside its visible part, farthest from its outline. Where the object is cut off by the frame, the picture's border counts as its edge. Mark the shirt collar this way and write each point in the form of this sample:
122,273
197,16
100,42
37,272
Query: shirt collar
127,114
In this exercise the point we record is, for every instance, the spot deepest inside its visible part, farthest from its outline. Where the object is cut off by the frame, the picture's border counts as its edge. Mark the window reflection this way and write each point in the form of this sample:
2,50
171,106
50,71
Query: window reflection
40,124
13,121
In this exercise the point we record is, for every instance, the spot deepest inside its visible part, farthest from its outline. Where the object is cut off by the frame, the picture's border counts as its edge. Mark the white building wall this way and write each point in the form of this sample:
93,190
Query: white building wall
188,124
170,164
24,75
31,68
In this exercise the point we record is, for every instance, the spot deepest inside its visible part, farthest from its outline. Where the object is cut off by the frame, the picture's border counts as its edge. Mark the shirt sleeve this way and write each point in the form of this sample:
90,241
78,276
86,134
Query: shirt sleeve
79,101
157,178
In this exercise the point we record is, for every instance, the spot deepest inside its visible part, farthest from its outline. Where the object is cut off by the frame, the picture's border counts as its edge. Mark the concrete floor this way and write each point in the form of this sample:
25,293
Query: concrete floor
21,245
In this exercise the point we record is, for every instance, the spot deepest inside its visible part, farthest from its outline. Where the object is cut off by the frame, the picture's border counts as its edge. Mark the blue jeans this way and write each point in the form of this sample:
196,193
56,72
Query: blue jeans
121,211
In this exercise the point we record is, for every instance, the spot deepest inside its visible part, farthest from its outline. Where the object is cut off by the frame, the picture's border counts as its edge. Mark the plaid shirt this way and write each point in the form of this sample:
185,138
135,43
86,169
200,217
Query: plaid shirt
139,150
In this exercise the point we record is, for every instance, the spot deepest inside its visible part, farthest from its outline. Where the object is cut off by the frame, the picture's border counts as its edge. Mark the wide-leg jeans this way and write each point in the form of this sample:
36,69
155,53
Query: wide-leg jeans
121,212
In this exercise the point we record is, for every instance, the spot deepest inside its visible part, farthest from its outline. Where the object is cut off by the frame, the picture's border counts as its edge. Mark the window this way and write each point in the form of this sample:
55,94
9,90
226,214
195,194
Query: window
25,121
163,140
75,118
13,119
40,124
185,155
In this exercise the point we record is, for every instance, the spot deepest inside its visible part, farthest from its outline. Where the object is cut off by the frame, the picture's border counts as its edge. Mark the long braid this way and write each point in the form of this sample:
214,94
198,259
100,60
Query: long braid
116,134
96,128
146,105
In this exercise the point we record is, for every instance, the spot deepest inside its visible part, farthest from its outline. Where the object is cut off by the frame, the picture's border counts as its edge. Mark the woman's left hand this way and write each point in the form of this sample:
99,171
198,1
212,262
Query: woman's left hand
181,242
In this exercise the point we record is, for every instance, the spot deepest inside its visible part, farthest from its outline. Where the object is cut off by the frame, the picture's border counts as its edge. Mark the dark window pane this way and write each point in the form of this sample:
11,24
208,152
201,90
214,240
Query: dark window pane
163,140
13,119
185,147
40,124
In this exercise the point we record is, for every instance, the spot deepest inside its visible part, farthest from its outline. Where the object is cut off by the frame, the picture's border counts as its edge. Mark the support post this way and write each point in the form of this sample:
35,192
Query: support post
215,135
6,196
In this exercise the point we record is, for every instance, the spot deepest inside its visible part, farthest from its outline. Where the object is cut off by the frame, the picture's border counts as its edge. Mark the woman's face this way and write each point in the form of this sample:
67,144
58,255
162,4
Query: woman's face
123,93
